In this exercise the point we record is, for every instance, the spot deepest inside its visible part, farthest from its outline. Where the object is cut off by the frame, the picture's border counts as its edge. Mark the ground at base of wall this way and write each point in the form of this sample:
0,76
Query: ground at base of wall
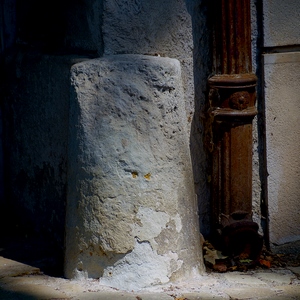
41,253
35,250
292,248
20,281
30,281
281,257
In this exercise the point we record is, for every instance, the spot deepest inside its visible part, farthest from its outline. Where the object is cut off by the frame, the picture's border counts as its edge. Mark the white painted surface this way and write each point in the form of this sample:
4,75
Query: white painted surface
282,95
281,22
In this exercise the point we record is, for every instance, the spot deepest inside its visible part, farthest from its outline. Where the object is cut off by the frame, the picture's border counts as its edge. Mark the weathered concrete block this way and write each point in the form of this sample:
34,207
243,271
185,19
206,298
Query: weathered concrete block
131,208
282,92
281,22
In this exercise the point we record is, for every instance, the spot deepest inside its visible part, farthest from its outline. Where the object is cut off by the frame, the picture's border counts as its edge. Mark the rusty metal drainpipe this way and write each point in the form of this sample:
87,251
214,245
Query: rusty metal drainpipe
232,100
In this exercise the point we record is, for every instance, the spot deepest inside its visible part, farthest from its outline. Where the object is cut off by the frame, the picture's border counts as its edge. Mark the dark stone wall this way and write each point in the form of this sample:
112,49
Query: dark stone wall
40,40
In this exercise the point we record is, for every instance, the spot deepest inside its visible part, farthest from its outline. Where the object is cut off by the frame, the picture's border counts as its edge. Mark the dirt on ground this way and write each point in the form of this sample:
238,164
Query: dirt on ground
215,261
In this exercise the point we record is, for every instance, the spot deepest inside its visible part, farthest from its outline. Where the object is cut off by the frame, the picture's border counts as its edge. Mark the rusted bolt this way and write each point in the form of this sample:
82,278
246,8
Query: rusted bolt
239,100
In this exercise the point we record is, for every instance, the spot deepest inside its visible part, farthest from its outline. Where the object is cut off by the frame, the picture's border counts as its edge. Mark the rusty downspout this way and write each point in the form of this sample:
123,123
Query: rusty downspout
231,111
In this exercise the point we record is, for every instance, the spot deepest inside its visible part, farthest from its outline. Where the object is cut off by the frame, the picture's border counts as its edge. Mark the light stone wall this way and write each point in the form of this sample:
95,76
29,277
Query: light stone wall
156,27
282,95
281,23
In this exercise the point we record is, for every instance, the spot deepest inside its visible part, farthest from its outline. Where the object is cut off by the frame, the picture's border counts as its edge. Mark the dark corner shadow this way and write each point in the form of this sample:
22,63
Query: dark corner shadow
201,23
7,294
34,250
41,256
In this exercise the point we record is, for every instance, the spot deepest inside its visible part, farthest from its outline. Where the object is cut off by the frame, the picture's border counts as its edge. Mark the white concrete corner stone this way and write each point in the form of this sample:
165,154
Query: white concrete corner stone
131,211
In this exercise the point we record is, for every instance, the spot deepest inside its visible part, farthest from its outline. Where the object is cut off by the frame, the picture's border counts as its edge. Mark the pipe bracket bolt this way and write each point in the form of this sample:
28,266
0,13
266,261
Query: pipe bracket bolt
239,100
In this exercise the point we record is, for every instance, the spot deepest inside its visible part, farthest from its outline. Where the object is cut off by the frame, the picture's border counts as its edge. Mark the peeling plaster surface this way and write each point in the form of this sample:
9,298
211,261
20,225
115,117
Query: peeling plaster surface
149,223
141,268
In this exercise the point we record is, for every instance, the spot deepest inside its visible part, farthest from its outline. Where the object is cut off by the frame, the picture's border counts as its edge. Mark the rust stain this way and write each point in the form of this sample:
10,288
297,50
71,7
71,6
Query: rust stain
147,176
134,174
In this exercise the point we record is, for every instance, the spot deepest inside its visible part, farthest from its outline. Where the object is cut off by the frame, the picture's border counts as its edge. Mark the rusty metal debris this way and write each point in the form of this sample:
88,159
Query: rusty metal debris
231,111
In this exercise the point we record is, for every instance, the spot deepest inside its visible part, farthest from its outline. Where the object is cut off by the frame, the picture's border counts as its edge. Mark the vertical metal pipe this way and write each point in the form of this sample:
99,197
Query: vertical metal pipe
232,109
233,36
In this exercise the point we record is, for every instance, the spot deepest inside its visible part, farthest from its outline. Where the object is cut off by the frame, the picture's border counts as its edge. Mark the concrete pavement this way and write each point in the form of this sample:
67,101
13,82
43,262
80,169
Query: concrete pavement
20,281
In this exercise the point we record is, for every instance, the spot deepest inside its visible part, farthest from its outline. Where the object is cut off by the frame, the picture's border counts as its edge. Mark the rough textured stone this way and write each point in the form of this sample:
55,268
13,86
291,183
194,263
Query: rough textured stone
157,28
281,22
131,212
282,91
